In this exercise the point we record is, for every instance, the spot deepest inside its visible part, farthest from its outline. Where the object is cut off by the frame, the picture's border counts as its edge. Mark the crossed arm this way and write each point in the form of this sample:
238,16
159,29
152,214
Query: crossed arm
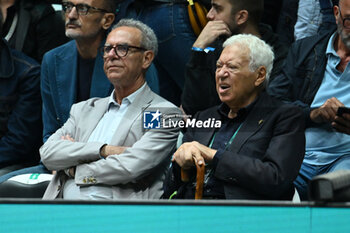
140,154
105,151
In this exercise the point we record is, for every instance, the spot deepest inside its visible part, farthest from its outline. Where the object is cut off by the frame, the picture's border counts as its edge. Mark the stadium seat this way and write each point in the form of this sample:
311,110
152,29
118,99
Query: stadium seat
25,186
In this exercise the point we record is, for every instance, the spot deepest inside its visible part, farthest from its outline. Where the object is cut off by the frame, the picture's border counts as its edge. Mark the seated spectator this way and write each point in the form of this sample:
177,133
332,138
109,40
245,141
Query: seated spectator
74,72
102,151
316,78
226,18
257,152
32,26
20,109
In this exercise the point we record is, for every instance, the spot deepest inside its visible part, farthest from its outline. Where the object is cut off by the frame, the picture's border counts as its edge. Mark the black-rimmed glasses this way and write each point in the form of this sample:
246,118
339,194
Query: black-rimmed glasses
82,9
346,21
121,50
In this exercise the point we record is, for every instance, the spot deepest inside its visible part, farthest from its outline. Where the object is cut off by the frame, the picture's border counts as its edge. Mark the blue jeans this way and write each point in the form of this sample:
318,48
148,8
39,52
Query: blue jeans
308,171
171,25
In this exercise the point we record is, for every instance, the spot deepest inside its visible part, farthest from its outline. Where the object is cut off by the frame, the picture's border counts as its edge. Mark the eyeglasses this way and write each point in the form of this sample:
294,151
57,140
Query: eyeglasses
346,21
121,50
82,9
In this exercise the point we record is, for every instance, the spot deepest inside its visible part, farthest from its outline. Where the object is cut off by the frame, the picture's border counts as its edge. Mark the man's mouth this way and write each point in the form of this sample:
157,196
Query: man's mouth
224,86
72,26
112,67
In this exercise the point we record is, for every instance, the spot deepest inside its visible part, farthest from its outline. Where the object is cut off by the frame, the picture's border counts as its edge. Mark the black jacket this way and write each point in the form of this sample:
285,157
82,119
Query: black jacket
264,158
38,30
302,73
200,90
20,108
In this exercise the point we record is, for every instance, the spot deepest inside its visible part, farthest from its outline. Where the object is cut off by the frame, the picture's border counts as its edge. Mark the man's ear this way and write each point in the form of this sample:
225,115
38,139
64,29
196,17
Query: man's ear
107,20
241,17
260,76
147,59
336,12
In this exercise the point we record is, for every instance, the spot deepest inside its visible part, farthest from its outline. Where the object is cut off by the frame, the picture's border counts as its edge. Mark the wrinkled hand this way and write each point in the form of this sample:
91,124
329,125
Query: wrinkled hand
327,112
191,152
211,32
342,123
67,137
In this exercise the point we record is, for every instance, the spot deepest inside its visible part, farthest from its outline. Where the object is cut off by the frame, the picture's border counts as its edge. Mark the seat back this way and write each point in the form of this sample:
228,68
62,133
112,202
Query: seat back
25,186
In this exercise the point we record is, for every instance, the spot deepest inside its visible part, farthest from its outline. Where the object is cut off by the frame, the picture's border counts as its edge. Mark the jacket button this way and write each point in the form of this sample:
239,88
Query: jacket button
92,180
58,118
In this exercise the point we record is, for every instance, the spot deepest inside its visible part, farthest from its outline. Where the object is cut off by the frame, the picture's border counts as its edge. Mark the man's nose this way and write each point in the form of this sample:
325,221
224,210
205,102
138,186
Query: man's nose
210,15
73,14
111,55
221,72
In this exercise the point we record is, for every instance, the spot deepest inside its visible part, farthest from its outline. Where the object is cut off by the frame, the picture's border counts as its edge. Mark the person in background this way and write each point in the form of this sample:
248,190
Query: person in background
170,21
32,26
314,16
20,109
286,21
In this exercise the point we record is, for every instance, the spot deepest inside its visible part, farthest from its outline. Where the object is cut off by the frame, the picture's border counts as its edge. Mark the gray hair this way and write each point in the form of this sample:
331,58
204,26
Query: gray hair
148,38
261,54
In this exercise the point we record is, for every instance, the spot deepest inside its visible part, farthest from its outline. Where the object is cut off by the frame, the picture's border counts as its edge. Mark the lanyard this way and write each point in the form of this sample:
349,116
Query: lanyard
230,141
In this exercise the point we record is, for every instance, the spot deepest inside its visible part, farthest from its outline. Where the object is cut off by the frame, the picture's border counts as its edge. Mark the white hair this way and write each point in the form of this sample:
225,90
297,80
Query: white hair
261,54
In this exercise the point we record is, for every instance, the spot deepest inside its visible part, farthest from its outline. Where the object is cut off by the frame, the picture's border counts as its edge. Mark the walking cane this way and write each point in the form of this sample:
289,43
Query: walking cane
199,178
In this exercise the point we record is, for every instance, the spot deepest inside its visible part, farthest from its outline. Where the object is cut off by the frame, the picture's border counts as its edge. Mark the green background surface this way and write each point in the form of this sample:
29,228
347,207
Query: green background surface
141,217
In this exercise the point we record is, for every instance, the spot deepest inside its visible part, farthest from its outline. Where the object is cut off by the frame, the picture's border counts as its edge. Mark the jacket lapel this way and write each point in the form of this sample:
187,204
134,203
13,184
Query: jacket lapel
93,114
66,79
100,85
207,134
253,123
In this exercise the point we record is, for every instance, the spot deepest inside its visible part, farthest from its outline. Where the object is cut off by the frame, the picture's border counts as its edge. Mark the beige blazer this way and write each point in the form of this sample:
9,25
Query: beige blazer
137,173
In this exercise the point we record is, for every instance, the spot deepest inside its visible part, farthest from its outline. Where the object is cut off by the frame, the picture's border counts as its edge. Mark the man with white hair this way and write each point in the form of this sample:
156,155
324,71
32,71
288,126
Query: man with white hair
258,150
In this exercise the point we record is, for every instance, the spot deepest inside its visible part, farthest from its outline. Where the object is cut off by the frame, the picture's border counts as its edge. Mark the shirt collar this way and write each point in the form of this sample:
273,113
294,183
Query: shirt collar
330,46
223,109
126,100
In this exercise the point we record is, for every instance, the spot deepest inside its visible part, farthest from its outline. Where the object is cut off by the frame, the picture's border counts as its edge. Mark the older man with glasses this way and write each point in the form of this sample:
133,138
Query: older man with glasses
74,72
316,78
105,150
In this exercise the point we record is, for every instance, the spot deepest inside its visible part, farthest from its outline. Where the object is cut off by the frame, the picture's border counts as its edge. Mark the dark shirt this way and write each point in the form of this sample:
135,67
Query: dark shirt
221,140
85,71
